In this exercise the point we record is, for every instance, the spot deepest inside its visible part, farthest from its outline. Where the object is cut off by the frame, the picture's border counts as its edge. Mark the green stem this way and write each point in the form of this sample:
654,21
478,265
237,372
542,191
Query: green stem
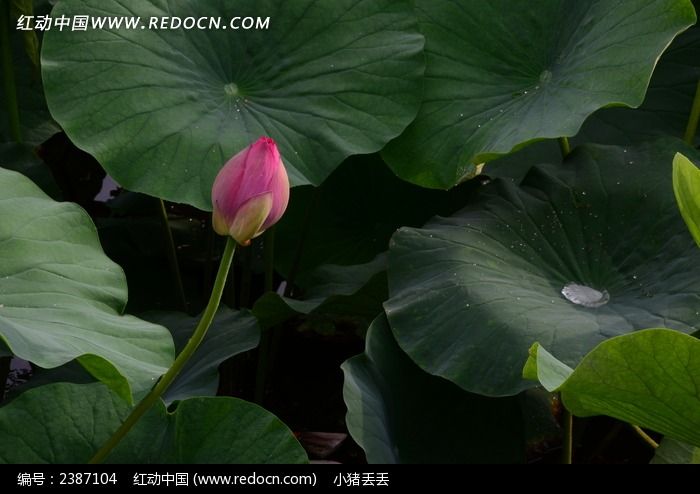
8,71
568,444
692,126
564,146
187,352
646,437
172,256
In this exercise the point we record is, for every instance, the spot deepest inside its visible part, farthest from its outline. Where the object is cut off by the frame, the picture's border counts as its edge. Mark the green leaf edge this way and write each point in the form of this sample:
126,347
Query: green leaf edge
555,375
686,187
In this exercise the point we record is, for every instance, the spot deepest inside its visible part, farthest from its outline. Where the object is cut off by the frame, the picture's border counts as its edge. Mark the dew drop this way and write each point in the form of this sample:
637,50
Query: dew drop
231,89
585,295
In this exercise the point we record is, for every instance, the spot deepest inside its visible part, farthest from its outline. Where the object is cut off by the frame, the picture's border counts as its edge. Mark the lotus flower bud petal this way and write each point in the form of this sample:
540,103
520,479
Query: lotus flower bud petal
248,223
251,192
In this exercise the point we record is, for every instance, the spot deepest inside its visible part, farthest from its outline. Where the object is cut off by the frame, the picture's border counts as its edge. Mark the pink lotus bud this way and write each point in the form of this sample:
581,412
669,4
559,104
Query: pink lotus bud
250,192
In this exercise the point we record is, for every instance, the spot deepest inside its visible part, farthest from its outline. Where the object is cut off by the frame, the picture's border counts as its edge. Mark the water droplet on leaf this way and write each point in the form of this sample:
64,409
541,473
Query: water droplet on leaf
585,295
231,89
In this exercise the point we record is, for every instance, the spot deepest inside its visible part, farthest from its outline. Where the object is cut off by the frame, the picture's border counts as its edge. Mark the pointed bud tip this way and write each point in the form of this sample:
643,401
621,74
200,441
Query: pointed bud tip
266,140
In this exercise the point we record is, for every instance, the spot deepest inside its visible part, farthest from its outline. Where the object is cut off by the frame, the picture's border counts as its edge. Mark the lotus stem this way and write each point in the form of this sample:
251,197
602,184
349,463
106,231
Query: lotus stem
184,356
564,146
646,437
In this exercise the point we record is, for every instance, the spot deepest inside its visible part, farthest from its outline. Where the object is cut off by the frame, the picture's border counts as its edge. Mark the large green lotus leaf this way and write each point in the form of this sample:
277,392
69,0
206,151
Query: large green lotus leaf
470,293
67,423
231,333
667,103
61,298
212,430
686,186
162,110
501,73
399,414
650,378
